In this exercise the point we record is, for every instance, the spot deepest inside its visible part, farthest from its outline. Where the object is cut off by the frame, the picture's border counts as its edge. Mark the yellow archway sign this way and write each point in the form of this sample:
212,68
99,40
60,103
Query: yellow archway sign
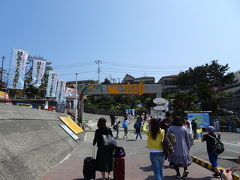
71,124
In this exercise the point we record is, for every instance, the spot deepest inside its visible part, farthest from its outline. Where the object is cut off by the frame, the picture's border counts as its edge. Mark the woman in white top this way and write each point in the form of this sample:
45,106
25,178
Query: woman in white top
190,132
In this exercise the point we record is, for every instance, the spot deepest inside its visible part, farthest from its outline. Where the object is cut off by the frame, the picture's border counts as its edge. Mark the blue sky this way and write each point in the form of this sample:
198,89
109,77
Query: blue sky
138,37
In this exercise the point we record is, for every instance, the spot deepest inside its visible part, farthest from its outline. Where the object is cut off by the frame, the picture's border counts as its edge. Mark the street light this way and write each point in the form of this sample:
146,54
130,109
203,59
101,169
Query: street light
76,104
3,58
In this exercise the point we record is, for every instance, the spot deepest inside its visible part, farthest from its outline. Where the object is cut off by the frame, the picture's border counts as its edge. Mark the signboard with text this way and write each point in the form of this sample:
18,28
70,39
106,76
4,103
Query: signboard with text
71,124
17,69
131,89
60,94
38,72
3,95
202,119
52,84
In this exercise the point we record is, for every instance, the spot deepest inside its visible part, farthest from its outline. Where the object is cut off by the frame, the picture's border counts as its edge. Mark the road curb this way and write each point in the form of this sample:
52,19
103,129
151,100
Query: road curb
208,166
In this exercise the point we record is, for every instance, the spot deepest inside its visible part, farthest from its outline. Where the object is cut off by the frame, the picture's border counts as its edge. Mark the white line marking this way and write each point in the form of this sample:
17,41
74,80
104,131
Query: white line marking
231,144
85,137
65,158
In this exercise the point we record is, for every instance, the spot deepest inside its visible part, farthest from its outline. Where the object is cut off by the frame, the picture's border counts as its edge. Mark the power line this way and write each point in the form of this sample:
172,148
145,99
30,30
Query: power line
93,77
74,65
148,66
109,77
141,73
130,70
108,63
78,72
136,67
124,68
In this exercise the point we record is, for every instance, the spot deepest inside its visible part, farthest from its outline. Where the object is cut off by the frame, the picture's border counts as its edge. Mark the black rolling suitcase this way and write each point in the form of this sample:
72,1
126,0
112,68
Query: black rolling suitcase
89,167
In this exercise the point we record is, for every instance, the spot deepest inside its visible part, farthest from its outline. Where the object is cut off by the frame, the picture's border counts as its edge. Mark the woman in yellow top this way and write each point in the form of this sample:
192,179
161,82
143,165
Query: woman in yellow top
154,144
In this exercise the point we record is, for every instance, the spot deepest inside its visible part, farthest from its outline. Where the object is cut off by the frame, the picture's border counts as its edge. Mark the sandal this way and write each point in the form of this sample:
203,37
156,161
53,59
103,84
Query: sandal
185,173
178,176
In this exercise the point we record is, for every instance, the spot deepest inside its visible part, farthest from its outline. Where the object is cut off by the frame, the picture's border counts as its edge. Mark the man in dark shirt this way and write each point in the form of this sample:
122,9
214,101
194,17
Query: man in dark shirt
209,138
166,122
112,117
194,128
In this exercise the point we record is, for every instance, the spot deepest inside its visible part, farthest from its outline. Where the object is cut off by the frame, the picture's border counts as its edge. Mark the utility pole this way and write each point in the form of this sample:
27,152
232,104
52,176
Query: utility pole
3,58
98,62
76,100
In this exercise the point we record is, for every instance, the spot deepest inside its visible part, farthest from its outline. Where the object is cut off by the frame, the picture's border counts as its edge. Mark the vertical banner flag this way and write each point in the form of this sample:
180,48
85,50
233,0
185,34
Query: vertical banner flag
70,92
52,84
38,72
17,69
60,95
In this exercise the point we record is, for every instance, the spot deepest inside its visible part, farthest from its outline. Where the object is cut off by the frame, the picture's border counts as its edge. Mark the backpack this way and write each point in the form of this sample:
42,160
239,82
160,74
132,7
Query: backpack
168,142
136,125
119,152
167,146
172,138
218,146
124,124
115,126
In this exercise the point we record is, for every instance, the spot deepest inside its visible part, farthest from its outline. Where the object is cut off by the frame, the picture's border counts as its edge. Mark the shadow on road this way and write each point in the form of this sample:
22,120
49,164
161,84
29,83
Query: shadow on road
202,178
167,167
131,140
150,178
84,179
205,178
147,169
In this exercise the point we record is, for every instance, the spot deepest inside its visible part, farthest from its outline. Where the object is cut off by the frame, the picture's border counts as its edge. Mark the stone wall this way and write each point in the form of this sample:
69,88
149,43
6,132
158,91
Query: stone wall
31,142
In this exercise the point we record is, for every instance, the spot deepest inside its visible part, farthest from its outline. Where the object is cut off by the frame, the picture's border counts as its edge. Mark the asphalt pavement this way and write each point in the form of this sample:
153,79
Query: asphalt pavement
138,166
231,143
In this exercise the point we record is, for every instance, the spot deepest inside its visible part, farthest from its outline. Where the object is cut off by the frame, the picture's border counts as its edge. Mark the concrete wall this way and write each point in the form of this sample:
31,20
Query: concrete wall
31,142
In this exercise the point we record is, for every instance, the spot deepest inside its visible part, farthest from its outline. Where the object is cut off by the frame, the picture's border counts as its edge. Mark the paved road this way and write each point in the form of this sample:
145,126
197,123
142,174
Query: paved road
231,143
138,166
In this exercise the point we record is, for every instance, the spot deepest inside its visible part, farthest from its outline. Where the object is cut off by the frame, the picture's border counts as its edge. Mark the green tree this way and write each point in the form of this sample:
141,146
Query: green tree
42,88
205,81
29,90
120,102
184,102
214,74
106,81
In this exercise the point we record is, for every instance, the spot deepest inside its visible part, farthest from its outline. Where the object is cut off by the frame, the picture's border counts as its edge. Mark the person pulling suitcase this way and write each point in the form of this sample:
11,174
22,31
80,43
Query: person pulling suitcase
104,158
